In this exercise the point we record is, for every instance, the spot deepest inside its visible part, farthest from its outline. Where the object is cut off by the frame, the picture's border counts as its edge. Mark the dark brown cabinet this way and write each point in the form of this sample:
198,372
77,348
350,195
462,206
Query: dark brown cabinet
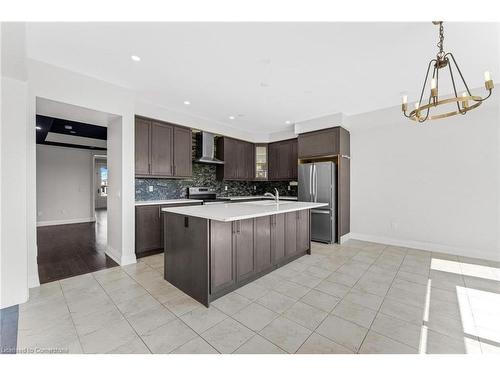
283,160
303,240
149,231
278,237
142,138
183,166
326,142
243,242
222,257
263,250
238,159
162,150
290,234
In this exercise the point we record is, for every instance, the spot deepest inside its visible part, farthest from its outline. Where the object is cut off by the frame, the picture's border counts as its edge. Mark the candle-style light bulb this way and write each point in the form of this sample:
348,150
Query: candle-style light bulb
405,99
488,82
465,103
433,83
404,105
417,105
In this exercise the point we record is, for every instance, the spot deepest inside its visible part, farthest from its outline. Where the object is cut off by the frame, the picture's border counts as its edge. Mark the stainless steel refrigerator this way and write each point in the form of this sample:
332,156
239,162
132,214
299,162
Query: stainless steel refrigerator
317,183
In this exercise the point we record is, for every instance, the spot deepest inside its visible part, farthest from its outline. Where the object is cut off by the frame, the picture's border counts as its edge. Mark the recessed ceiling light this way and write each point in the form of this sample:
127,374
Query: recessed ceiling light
187,102
72,132
231,117
288,122
38,128
135,58
68,127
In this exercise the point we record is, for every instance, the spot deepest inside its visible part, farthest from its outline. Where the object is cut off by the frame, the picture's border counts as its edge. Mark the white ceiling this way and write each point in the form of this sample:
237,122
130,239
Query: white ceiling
265,73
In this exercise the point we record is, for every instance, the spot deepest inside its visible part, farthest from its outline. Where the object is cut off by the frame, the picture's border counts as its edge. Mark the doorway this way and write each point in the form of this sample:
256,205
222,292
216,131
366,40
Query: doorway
72,191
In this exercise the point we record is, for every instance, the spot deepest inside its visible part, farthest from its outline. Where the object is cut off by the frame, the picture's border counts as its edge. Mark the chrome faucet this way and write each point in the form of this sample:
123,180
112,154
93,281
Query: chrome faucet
276,195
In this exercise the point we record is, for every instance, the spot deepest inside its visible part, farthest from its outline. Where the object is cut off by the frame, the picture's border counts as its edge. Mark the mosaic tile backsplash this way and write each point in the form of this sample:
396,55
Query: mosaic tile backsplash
205,175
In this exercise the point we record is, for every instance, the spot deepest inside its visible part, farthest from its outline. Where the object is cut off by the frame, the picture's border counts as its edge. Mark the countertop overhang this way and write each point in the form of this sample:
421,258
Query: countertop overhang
239,211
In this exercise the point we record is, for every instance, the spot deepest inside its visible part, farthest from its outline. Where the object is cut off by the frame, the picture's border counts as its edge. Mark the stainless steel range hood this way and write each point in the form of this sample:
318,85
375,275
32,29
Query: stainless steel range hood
205,149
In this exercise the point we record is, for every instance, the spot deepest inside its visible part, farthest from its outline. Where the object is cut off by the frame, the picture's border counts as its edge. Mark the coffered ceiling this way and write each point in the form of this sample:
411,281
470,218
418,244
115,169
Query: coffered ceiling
265,75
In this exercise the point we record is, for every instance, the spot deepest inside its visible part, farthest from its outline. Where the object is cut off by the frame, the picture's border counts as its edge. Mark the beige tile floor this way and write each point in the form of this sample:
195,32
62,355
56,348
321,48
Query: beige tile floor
356,298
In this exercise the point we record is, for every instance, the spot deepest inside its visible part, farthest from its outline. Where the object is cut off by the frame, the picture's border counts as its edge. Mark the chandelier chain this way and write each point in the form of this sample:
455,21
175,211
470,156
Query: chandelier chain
440,54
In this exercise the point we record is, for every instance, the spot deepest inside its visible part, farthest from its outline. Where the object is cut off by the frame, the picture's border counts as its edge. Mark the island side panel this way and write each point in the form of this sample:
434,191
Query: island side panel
186,255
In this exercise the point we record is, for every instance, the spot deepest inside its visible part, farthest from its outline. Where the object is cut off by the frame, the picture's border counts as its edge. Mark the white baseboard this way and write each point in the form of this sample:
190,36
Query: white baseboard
428,246
345,237
122,260
66,221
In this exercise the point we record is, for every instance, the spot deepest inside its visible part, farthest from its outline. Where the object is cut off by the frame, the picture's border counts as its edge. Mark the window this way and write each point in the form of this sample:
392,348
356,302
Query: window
103,189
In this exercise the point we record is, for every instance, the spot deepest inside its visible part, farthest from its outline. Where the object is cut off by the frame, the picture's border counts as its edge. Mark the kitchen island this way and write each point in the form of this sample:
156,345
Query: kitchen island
211,250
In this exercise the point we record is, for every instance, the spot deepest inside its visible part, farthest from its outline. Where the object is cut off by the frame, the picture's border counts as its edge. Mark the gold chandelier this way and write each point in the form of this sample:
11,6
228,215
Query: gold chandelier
464,102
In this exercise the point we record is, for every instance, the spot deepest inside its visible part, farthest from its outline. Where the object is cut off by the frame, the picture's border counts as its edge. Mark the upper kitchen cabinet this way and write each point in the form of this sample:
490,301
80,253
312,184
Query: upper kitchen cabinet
261,162
282,160
238,157
162,150
325,142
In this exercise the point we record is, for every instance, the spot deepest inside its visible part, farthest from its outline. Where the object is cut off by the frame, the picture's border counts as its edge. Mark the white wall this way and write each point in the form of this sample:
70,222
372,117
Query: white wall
433,186
64,185
13,135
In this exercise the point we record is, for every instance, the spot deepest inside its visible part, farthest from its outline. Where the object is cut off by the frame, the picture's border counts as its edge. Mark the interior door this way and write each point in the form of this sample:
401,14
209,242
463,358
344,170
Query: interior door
305,182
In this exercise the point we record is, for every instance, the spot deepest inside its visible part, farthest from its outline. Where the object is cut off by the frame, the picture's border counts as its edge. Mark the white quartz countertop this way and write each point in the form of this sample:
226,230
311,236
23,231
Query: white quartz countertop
168,201
244,210
246,197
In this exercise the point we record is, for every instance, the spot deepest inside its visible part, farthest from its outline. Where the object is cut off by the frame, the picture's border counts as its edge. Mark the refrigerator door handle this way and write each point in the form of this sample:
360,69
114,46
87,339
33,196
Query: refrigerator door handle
311,182
315,183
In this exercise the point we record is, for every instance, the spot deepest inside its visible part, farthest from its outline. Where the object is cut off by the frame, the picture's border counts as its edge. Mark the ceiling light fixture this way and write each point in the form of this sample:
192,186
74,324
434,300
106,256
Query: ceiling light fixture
38,128
187,102
441,61
72,132
68,127
135,58
288,122
231,117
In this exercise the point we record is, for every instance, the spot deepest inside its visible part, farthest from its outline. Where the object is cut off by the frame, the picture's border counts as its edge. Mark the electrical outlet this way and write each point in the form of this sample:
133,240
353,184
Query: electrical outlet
150,188
225,187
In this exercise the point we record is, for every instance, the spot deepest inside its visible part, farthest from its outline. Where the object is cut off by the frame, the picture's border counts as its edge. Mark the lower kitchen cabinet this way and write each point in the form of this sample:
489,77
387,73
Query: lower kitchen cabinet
149,233
262,239
222,259
243,242
244,249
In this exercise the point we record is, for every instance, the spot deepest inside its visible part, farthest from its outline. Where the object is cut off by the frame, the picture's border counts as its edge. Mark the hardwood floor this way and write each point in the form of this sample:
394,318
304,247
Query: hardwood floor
73,249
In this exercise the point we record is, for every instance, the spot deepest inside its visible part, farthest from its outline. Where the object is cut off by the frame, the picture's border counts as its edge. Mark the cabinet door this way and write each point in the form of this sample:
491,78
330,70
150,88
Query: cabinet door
244,245
182,152
278,237
303,241
230,159
222,270
250,161
147,228
162,137
284,160
262,238
290,233
293,159
142,146
319,143
273,161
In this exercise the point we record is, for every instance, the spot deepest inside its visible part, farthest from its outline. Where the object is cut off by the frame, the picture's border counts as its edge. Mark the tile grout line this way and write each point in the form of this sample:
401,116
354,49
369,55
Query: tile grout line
71,316
176,316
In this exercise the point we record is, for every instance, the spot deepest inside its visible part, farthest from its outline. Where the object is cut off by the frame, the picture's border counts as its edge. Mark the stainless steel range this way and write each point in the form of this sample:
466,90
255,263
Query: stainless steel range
207,195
